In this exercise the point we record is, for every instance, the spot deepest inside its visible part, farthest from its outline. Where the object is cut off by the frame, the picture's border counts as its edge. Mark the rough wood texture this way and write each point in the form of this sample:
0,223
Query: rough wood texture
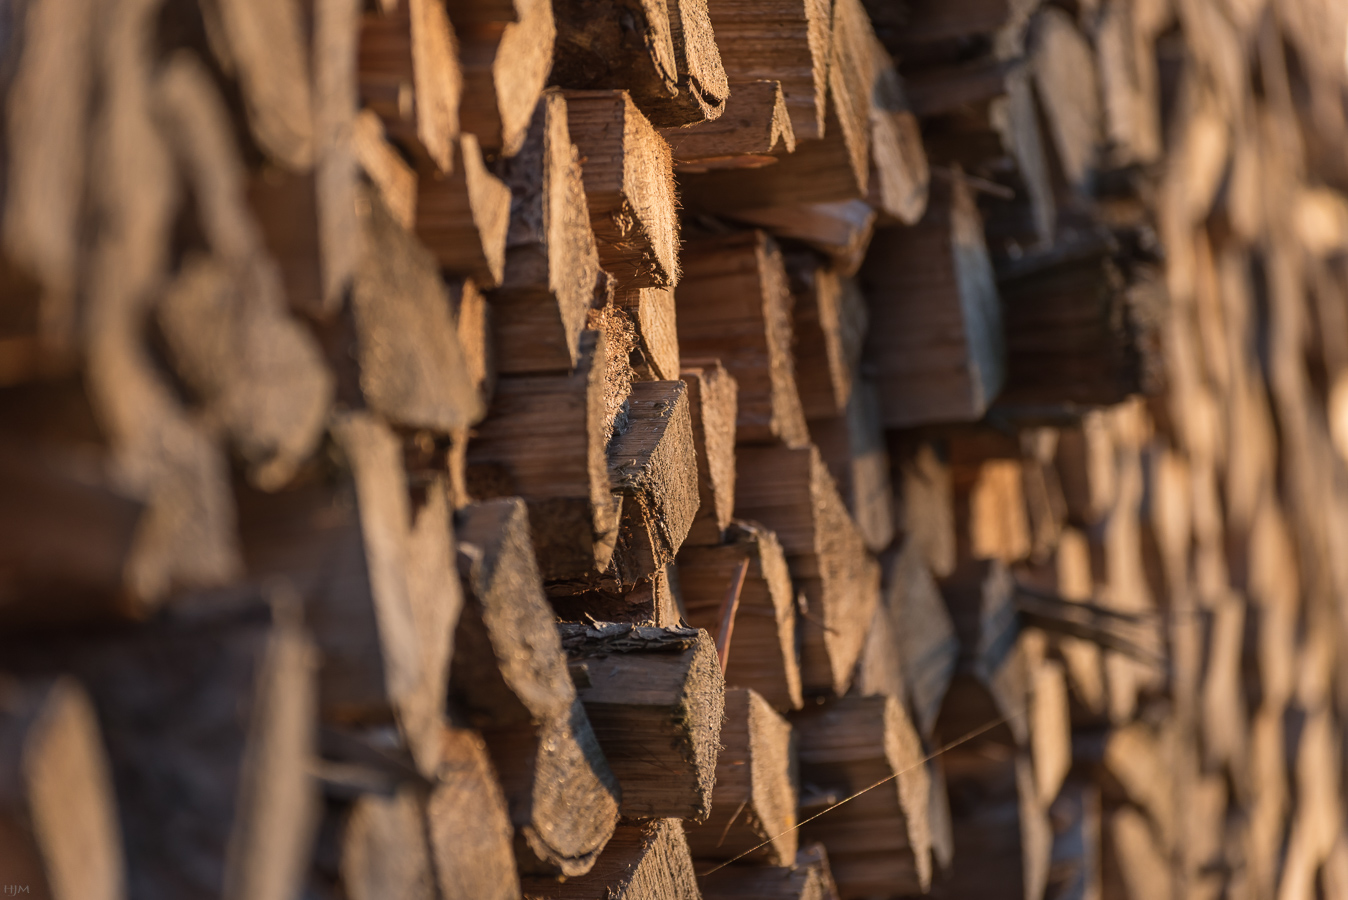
754,125
643,861
763,656
544,440
734,305
411,49
713,396
791,492
935,321
209,720
629,185
808,878
755,797
655,354
827,331
58,816
510,674
463,217
505,61
551,265
656,699
879,841
652,465
900,176
841,230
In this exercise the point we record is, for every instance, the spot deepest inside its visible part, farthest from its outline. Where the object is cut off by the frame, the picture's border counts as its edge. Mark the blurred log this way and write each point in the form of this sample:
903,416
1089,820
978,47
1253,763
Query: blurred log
505,59
935,320
841,230
643,860
470,854
510,674
545,440
755,797
735,306
463,217
394,180
409,53
853,446
925,503
656,699
900,177
652,312
208,716
58,815
551,265
763,655
629,185
713,397
1075,870
808,878
879,841
827,333
384,851
791,492
1069,93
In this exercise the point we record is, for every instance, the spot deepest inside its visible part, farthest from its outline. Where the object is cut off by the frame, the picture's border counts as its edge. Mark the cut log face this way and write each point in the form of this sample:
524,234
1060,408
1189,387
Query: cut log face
544,440
879,841
470,853
808,878
551,265
735,305
824,366
755,125
652,464
853,446
935,319
208,717
713,397
413,368
791,492
656,699
412,49
763,647
58,815
510,674
463,217
629,185
755,798
786,41
506,58
652,312
900,176
643,860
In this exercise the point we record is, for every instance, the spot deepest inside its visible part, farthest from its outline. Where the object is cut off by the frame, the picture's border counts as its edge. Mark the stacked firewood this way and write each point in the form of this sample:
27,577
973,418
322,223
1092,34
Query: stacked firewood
782,449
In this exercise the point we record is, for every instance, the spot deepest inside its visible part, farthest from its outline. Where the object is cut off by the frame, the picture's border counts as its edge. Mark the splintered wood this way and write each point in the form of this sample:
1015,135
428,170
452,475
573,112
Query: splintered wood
673,449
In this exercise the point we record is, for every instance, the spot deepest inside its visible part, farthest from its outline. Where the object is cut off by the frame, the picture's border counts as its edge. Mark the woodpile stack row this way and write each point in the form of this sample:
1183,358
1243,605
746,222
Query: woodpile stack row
640,450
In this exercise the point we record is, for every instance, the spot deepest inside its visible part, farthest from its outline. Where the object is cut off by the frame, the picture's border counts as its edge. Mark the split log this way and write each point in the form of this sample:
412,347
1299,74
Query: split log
629,185
1141,863
808,878
878,842
384,851
755,124
505,57
475,325
394,180
1075,870
656,699
413,368
791,492
1065,79
336,49
755,797
911,655
713,396
735,306
925,503
410,77
379,583
652,465
544,440
510,675
652,312
468,824
930,22
643,861
763,649
208,717
463,216
786,41
853,446
828,329
1050,729
841,230
551,266
935,321
57,811
900,177
1129,86
665,55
